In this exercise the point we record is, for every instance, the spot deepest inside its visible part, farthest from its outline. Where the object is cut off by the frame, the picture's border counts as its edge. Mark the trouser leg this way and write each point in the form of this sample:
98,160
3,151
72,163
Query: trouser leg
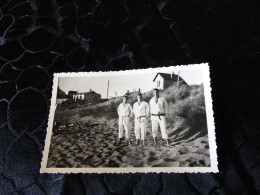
143,129
120,128
137,129
154,127
162,123
127,127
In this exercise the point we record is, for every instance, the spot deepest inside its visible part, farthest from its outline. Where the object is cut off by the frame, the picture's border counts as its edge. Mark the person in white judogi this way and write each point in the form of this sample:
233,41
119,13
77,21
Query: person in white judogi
141,112
159,109
124,111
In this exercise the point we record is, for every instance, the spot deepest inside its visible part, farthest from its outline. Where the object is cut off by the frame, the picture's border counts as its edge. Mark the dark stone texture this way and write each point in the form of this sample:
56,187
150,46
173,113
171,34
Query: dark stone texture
19,10
5,23
33,189
3,112
35,77
15,163
66,10
110,11
43,59
77,186
6,137
67,25
22,23
37,40
63,45
2,63
19,27
77,59
110,40
7,184
97,61
52,183
27,111
40,135
87,27
11,50
231,179
121,183
7,90
93,183
204,183
85,7
149,184
116,64
176,184
8,73
59,64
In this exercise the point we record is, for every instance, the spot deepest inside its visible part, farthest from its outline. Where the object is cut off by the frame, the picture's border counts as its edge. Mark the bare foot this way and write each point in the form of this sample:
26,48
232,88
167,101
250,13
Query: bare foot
118,143
143,143
167,143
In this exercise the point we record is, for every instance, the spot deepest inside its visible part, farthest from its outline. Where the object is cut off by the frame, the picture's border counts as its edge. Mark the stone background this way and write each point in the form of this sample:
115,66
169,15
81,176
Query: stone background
40,37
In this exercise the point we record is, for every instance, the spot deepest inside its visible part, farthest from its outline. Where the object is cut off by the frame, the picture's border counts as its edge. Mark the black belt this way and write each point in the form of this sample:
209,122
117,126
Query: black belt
159,114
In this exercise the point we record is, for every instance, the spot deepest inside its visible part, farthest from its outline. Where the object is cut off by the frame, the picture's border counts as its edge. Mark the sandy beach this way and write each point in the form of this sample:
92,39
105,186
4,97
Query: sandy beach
90,142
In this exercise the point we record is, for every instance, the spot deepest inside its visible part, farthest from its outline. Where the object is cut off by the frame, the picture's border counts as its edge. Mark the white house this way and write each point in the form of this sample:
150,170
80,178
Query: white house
164,80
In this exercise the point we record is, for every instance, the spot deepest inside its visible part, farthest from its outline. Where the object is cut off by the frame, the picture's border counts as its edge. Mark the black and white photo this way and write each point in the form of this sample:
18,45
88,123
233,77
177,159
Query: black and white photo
149,120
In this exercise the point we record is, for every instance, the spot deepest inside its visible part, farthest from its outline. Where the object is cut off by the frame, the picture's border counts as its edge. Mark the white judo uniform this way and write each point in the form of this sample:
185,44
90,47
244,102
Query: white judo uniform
158,114
124,112
141,111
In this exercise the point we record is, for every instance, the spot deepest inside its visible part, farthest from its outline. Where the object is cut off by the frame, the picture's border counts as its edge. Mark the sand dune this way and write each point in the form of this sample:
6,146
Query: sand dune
90,142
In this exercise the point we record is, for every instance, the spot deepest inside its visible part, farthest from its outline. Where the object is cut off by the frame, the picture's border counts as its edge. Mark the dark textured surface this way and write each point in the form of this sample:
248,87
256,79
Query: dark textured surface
40,37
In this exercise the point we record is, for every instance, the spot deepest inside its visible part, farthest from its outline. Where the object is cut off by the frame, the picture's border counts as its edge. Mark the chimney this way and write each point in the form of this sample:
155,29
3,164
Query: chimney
90,90
178,79
172,74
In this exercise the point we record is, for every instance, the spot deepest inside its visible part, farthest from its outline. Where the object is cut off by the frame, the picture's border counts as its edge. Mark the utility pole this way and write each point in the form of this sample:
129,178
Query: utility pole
178,80
107,88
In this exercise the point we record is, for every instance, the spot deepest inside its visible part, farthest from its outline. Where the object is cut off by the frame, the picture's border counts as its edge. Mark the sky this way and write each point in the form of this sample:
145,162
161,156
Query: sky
118,85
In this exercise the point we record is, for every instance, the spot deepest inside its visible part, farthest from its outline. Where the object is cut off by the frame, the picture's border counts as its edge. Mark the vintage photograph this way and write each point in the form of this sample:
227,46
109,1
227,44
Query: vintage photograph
149,120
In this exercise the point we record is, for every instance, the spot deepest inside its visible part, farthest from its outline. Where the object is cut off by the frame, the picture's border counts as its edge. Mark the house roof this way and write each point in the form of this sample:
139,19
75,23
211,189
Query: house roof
166,76
89,92
72,92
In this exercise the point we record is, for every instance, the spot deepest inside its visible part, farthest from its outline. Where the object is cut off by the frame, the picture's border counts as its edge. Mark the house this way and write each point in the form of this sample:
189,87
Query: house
164,80
72,94
91,95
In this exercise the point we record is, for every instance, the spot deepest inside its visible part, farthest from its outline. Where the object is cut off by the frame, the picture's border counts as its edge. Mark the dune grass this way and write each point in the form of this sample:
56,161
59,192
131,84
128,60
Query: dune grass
186,104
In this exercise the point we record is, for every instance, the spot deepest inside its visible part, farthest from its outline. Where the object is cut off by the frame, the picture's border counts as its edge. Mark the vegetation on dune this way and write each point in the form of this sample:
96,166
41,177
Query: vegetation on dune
186,107
187,110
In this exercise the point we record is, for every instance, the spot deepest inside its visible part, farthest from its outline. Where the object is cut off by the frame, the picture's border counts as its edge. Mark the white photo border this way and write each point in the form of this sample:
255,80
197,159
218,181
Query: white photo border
204,67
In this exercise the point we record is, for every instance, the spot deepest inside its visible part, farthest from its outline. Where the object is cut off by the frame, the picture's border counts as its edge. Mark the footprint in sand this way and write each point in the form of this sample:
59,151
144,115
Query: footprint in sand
112,163
122,152
169,159
138,164
152,153
152,159
50,163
